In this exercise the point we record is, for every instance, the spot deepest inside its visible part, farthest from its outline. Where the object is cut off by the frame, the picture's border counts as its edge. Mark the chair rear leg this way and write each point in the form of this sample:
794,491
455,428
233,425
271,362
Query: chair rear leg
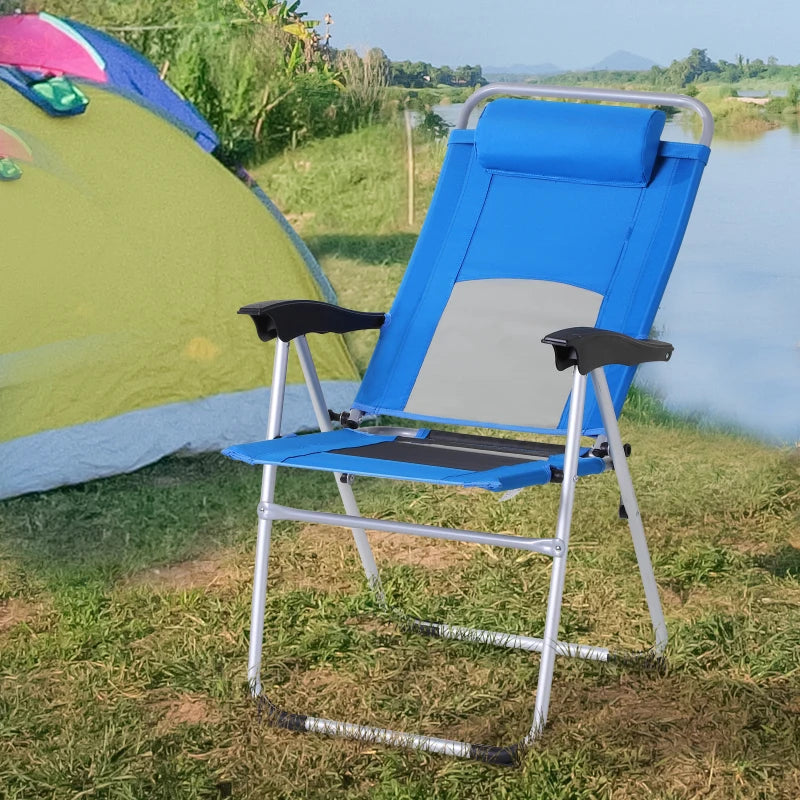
345,491
362,543
632,508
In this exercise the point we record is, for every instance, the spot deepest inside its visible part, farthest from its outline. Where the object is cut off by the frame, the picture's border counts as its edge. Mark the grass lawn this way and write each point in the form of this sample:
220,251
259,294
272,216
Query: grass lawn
124,603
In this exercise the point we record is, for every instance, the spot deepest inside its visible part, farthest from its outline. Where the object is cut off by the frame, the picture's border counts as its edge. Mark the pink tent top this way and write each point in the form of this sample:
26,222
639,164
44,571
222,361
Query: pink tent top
11,146
43,43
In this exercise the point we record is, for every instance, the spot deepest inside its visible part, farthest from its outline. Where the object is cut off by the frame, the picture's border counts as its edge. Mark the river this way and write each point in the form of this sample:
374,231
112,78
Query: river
732,306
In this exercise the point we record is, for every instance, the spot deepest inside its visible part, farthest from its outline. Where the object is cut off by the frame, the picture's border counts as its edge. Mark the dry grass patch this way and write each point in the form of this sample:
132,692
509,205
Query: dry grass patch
184,710
322,691
697,601
220,570
655,709
687,733
300,220
417,551
435,690
15,611
324,558
371,623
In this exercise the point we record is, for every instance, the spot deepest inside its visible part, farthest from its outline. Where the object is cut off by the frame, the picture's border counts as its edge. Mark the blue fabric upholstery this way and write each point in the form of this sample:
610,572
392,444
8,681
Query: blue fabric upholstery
618,240
565,141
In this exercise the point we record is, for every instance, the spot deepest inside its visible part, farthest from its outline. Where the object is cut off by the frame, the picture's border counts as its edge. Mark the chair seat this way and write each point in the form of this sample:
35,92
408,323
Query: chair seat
430,456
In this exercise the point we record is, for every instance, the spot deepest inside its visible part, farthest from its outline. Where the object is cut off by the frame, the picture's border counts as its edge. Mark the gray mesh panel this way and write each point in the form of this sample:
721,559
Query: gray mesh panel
486,361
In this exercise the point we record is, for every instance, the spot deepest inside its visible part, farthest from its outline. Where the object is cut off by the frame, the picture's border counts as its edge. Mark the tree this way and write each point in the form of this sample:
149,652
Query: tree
442,75
755,68
728,72
417,74
696,67
699,64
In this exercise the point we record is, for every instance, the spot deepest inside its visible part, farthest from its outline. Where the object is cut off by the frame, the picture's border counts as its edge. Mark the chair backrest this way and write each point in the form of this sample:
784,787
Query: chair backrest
547,216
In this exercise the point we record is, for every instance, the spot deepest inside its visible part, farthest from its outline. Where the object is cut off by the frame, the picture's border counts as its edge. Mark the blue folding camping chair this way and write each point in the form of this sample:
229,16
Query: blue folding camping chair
553,229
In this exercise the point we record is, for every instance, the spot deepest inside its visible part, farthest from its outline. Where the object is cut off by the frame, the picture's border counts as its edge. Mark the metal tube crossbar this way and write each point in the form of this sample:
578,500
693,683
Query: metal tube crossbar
549,547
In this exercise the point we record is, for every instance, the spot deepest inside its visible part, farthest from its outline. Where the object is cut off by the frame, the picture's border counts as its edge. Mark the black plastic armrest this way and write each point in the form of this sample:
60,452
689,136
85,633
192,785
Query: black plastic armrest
590,348
288,319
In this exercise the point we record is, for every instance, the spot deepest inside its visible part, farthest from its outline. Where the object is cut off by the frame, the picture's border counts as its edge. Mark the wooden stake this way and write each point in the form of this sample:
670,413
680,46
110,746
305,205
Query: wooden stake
410,151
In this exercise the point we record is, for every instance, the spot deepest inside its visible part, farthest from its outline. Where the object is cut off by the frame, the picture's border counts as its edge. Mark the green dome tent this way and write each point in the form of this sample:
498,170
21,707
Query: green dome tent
125,252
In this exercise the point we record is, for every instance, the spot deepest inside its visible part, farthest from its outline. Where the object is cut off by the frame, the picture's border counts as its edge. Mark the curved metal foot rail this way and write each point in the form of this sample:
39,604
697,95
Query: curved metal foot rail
650,659
513,641
508,756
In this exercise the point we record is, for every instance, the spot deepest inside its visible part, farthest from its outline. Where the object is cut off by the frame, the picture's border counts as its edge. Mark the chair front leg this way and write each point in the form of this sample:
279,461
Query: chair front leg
553,618
277,392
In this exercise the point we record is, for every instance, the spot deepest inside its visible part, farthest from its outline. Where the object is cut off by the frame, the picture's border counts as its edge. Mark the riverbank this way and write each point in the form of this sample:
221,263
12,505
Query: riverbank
124,602
743,117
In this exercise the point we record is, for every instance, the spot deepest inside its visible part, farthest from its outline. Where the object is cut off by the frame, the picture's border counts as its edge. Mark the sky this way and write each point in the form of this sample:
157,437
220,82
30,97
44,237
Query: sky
571,33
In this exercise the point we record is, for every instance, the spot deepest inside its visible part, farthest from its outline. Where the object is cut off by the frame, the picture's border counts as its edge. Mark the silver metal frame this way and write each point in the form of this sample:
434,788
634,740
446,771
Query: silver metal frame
549,646
573,93
345,491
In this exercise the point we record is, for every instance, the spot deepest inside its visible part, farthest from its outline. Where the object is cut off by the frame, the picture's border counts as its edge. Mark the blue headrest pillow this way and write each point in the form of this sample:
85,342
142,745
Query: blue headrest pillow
570,141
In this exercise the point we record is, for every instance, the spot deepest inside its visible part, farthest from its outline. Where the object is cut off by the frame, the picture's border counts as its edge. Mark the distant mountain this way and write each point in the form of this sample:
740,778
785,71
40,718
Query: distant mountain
623,60
523,69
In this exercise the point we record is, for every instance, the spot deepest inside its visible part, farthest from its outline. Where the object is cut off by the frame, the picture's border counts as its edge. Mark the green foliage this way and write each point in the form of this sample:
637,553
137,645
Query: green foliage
712,82
695,67
736,119
256,69
433,125
777,105
716,92
786,106
419,74
684,74
424,99
365,79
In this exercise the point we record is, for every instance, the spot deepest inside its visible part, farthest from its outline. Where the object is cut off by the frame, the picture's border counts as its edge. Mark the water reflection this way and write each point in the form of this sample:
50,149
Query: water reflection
732,307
